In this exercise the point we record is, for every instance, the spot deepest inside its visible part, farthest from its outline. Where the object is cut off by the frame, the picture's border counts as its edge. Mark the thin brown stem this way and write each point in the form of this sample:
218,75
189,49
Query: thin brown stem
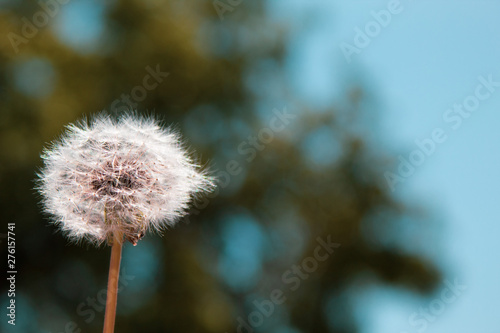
114,271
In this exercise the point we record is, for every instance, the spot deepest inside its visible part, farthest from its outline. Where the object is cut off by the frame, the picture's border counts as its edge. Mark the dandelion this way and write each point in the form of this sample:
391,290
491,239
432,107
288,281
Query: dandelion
114,180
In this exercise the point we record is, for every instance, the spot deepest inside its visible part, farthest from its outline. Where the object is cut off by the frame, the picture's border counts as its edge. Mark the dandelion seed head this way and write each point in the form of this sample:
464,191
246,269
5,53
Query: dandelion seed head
128,175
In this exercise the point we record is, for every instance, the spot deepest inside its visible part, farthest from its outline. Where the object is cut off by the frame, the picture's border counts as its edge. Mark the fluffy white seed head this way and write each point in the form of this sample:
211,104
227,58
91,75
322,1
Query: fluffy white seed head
127,175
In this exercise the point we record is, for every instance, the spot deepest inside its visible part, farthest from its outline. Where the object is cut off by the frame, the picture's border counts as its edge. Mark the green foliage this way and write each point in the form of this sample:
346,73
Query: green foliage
224,77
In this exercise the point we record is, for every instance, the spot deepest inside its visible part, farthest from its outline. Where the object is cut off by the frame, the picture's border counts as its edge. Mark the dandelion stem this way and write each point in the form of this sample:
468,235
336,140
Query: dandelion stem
114,271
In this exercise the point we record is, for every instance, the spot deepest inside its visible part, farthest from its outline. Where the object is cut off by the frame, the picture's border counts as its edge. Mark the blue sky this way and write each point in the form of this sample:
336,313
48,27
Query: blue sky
427,58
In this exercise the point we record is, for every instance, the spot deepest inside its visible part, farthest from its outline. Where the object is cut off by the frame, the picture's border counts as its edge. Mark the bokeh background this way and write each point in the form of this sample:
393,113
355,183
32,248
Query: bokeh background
232,65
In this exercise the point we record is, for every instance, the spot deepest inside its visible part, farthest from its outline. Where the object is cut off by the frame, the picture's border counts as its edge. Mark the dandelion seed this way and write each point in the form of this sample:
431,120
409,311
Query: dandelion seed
131,168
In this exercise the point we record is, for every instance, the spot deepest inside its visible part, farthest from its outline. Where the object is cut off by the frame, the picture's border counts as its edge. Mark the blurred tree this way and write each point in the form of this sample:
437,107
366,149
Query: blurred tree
216,70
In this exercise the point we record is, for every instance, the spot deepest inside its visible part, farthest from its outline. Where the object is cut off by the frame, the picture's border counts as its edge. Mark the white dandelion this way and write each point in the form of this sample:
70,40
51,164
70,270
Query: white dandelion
126,176
112,180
